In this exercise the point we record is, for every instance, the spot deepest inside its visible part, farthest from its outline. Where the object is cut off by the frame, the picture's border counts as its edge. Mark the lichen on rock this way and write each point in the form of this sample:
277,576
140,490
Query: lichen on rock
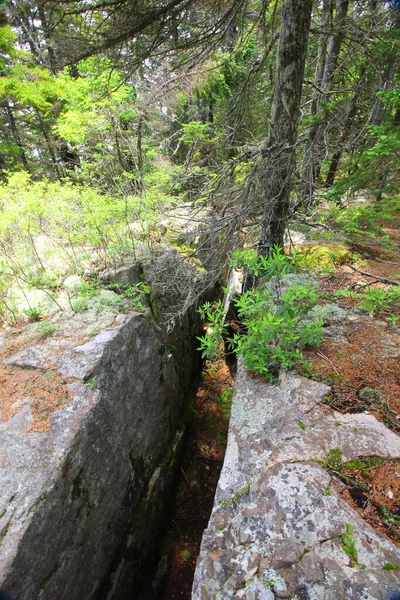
287,537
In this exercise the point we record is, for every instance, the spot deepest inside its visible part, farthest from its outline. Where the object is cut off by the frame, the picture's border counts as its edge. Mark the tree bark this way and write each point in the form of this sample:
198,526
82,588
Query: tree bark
346,128
16,136
279,162
326,69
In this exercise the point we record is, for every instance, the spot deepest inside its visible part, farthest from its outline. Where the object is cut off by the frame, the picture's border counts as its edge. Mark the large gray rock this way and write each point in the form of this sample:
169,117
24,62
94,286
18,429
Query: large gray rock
80,505
28,358
275,531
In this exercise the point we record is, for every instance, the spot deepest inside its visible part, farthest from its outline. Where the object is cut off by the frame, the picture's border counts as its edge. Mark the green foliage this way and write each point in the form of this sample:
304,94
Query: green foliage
334,459
348,544
306,368
390,567
210,344
360,464
392,320
33,314
370,395
376,300
46,329
134,293
195,131
323,258
354,220
389,517
278,264
52,230
276,327
92,103
275,321
226,401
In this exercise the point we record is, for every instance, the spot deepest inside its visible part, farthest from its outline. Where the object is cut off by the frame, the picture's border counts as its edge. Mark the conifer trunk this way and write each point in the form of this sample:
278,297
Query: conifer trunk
279,162
327,66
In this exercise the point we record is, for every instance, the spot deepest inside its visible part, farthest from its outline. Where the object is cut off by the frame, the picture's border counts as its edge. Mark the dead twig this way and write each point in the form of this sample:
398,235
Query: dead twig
329,361
382,279
187,481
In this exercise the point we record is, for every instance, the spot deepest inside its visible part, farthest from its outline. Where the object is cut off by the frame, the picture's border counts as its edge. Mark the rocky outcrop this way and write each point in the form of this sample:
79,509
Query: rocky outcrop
81,503
279,527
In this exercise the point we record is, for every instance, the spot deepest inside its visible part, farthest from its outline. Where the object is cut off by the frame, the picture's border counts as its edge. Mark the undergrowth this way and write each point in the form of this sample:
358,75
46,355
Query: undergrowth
274,317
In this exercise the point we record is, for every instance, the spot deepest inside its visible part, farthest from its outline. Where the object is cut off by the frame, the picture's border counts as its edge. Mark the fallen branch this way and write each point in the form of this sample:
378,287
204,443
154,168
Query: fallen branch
329,361
382,279
187,481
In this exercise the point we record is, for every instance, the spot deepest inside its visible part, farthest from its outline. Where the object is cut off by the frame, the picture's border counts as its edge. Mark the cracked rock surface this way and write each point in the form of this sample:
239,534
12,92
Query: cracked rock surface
81,504
277,526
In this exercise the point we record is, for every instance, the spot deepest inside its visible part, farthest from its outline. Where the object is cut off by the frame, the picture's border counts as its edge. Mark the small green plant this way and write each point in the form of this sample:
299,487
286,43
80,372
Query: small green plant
348,545
390,567
226,401
389,517
392,320
360,464
80,305
377,300
328,491
276,327
46,329
33,314
278,264
334,459
135,292
92,382
370,395
347,292
302,426
210,343
306,368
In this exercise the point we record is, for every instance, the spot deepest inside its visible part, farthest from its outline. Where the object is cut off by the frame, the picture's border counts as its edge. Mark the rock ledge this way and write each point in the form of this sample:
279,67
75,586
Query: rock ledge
275,530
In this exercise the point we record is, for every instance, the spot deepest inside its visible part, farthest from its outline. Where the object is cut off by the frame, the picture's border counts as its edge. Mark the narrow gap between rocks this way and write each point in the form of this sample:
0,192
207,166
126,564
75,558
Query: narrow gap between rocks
207,416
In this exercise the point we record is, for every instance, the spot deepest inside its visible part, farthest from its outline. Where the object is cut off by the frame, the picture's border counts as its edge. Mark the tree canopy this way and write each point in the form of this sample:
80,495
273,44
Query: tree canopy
254,109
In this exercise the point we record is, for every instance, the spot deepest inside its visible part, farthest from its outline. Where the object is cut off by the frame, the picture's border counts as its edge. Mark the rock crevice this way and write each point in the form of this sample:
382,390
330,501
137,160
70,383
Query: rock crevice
81,504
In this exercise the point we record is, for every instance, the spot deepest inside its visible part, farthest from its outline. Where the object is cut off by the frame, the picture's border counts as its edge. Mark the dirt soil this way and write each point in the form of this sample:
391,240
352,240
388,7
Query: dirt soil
204,455
47,388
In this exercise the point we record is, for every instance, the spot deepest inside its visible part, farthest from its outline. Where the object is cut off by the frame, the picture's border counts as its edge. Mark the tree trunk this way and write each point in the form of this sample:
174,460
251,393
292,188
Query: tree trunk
58,170
328,64
279,160
346,128
52,59
310,163
140,161
16,136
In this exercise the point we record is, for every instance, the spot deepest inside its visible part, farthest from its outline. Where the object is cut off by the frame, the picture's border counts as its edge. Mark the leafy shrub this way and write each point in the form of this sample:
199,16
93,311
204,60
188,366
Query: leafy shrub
377,299
52,230
275,319
276,327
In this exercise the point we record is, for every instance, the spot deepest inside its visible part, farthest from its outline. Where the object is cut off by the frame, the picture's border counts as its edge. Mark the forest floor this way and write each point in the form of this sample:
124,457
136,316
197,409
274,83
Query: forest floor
362,368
